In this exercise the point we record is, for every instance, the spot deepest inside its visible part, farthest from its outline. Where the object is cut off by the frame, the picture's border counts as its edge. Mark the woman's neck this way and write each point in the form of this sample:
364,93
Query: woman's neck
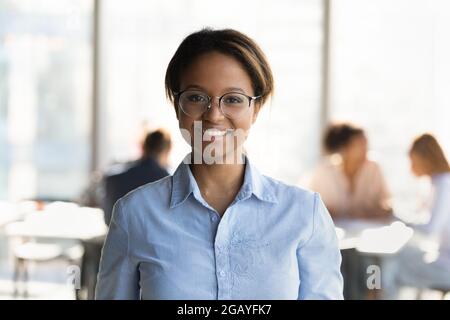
219,184
218,177
350,167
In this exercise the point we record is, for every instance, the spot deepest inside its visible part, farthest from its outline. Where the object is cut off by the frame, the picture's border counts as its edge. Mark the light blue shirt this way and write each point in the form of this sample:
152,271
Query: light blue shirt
274,241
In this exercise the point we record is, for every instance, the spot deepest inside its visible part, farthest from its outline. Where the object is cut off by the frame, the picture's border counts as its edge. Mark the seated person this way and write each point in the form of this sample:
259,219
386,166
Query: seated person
150,167
413,267
351,185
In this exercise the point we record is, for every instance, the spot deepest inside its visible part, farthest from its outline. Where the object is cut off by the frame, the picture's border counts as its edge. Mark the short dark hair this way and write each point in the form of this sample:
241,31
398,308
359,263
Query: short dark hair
226,41
339,135
157,142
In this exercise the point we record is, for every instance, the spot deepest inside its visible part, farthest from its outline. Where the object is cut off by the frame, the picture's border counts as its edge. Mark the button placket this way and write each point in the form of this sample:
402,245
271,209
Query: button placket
222,263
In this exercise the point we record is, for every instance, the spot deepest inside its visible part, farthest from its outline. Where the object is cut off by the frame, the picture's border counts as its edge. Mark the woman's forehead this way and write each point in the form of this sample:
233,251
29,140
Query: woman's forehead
216,71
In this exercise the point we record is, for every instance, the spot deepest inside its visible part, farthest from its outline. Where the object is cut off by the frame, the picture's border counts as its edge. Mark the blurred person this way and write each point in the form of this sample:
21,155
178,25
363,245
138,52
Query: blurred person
416,266
150,167
351,185
217,228
428,159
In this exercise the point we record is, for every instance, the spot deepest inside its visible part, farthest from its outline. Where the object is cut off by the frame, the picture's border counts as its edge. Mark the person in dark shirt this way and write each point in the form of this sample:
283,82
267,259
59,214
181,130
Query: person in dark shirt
150,167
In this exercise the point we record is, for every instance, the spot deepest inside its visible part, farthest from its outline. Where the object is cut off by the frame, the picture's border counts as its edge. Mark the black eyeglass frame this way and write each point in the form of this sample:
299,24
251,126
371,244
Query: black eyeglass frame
178,94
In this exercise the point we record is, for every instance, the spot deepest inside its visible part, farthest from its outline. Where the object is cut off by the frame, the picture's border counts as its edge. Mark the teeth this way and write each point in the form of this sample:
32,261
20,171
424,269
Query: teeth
215,132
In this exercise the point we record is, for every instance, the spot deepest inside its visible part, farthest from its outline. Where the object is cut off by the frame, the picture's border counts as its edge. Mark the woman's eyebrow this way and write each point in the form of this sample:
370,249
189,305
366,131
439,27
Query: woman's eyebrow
229,89
234,89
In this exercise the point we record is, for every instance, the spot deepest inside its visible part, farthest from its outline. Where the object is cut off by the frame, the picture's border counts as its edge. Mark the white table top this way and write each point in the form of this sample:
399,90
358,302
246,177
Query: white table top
62,222
373,237
13,211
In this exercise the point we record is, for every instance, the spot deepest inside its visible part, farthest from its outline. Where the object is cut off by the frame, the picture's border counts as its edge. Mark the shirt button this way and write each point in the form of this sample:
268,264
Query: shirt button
213,218
222,273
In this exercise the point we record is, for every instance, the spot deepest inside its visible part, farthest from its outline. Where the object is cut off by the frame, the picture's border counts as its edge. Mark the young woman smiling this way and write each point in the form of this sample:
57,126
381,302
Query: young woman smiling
217,228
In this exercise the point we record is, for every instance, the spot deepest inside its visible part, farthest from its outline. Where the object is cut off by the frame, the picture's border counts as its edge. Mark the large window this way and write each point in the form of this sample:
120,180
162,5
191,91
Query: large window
45,97
138,40
390,72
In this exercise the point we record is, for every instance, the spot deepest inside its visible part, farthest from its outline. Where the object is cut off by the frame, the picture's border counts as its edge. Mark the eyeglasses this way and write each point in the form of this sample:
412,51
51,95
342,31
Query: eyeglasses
232,104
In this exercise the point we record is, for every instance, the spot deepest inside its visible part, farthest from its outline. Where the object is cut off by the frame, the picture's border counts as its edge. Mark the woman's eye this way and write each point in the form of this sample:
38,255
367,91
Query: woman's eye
196,98
233,99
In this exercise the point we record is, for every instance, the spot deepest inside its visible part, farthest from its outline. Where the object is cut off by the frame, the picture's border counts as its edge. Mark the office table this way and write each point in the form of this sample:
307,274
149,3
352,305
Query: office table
361,241
80,223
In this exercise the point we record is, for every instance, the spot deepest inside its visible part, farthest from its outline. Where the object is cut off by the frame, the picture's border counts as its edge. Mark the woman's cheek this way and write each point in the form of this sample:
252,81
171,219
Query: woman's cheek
185,130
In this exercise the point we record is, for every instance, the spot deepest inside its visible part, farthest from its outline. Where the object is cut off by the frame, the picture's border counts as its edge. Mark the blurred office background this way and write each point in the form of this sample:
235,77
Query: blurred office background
81,81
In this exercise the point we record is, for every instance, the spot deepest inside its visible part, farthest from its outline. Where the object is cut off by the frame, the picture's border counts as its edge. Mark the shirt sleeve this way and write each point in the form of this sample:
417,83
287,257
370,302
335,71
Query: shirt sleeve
108,199
319,259
320,182
118,277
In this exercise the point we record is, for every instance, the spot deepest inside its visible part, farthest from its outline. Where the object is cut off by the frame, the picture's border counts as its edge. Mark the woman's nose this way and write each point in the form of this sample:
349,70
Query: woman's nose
214,111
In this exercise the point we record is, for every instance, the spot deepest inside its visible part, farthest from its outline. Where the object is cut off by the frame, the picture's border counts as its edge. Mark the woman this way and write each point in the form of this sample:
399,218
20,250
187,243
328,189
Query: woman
351,185
416,267
217,228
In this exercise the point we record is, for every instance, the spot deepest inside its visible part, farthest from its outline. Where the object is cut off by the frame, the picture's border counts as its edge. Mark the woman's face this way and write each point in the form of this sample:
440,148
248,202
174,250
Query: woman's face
356,150
211,134
419,165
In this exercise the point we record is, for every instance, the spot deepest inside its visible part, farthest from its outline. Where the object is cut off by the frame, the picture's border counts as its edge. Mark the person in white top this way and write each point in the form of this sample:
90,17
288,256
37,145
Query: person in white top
351,185
415,266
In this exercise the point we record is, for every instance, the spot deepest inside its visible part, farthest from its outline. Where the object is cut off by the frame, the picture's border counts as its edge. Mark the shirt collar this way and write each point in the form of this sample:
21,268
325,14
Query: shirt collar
183,184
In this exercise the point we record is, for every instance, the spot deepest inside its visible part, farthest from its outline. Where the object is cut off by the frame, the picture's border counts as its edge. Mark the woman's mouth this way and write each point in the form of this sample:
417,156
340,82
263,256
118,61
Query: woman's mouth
214,133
